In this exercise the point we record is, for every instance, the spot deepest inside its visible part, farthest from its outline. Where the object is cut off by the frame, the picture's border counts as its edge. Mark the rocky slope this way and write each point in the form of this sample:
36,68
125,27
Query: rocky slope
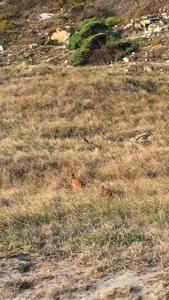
25,32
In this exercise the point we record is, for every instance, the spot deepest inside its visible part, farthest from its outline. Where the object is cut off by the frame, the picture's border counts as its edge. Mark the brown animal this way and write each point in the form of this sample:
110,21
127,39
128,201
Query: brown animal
106,192
76,183
91,143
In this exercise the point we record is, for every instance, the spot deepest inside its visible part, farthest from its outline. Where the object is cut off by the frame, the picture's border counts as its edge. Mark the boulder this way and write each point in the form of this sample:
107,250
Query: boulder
1,48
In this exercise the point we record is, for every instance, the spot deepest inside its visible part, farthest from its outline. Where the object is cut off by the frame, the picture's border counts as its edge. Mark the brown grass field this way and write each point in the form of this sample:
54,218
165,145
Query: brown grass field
45,114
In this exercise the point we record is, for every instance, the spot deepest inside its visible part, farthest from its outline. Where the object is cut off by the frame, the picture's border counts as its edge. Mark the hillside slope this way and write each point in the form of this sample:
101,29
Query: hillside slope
84,156
110,127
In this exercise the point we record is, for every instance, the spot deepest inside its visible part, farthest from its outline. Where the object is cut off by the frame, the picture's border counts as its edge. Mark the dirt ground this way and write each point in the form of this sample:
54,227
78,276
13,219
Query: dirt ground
48,279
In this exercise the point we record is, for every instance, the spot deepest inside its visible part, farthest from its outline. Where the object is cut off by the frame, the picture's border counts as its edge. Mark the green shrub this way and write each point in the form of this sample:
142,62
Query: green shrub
80,57
5,32
88,28
75,41
111,21
5,26
45,41
149,85
121,48
126,49
93,41
96,34
92,26
23,268
132,81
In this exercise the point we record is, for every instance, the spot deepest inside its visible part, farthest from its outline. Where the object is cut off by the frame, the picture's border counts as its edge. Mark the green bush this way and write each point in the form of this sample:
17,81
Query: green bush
75,41
111,21
45,41
93,41
23,267
92,26
5,26
96,34
88,28
80,57
121,48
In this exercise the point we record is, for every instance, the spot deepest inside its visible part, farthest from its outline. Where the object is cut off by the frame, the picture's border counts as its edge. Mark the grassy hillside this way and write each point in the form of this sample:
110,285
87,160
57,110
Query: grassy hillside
45,114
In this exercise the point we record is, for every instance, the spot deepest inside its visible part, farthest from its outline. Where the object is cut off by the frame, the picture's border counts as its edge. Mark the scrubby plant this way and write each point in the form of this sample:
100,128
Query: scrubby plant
92,26
7,31
23,268
93,41
75,41
45,41
80,57
111,21
95,34
5,26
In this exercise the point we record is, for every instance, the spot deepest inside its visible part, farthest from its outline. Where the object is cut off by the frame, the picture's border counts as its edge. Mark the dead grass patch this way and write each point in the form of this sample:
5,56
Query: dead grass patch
43,122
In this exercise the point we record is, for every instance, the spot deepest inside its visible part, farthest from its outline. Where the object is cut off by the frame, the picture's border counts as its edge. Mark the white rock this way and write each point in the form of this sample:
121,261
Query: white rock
45,16
148,69
1,48
158,29
125,59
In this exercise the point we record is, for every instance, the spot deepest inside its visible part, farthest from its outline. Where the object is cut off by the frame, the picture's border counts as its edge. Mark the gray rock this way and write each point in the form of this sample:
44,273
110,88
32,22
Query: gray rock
45,16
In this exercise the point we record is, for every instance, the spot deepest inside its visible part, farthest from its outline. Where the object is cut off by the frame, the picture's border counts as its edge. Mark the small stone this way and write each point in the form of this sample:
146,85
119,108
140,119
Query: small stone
1,48
33,46
45,16
125,59
148,69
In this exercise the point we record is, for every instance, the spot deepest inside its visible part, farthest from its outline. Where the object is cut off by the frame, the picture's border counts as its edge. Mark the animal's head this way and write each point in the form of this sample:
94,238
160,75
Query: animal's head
72,175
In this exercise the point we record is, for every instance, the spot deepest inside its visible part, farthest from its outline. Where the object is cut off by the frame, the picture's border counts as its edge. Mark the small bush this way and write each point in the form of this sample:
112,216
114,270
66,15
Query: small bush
133,82
111,21
6,33
80,57
75,41
121,48
5,26
44,41
23,268
88,28
149,85
96,42
92,26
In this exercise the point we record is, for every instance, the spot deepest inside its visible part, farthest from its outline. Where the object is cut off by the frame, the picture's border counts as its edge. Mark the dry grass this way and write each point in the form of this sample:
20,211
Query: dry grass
45,113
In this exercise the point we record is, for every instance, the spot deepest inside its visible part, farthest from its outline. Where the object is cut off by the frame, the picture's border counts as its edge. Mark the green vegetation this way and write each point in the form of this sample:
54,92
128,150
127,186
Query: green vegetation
97,34
111,21
5,26
45,41
111,239
5,30
100,223
66,132
149,85
80,57
23,267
